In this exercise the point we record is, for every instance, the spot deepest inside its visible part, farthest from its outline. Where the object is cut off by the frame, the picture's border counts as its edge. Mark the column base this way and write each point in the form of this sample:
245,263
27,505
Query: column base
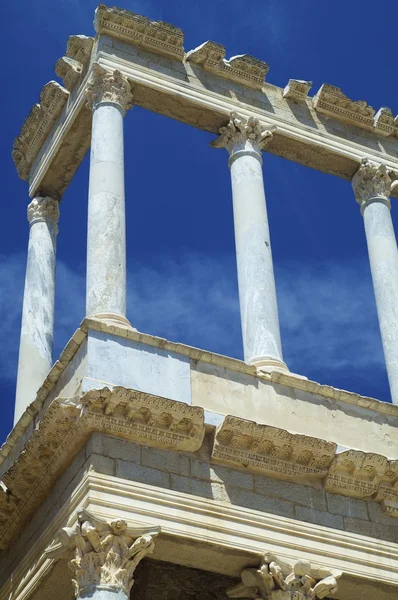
113,318
266,364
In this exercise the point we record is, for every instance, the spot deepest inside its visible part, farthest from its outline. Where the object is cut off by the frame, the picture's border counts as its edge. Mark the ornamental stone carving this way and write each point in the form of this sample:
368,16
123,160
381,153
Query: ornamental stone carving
244,69
371,181
107,86
297,90
279,580
331,101
356,474
43,209
102,553
272,451
241,133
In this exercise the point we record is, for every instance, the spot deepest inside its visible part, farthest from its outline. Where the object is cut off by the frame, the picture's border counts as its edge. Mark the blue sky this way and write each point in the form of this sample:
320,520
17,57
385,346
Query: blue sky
181,263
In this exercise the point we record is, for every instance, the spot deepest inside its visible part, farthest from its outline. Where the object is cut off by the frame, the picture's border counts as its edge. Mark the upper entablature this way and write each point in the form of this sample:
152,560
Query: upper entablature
74,64
155,36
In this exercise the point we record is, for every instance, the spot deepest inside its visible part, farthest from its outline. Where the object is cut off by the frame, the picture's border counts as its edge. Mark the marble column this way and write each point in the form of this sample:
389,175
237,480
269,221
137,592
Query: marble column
102,555
372,187
37,330
245,139
109,97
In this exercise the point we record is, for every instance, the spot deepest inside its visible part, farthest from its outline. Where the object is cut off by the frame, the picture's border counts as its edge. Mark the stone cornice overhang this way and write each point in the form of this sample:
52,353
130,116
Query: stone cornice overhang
208,534
328,131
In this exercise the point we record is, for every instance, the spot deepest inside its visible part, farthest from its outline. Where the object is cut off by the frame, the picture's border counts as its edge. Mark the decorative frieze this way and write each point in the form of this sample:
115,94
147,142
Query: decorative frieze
71,67
331,101
102,553
297,90
37,126
278,580
356,474
244,69
156,36
272,451
108,86
384,122
65,428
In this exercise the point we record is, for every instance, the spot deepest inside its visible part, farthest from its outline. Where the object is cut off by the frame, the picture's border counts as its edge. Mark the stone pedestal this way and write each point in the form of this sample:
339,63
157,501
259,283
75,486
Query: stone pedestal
37,330
244,140
109,96
372,187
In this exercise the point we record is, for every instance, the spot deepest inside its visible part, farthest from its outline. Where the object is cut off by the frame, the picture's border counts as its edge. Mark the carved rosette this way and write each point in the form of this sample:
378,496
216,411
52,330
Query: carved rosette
43,209
370,182
102,553
108,86
278,580
243,134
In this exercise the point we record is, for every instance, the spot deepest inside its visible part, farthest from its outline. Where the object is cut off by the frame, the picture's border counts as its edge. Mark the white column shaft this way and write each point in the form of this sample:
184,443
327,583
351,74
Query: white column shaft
383,257
106,240
257,294
37,331
102,592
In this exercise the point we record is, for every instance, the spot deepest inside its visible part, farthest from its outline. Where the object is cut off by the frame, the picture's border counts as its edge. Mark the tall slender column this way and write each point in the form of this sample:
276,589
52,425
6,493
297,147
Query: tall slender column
109,96
372,187
244,140
103,555
37,331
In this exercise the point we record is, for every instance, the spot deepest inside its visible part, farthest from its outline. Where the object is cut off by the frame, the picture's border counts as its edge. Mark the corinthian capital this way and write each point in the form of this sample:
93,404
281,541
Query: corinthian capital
278,580
371,181
108,86
241,134
102,553
43,209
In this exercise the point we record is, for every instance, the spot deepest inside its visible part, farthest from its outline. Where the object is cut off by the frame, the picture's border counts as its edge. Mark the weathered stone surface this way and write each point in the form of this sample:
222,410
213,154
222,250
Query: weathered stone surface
297,90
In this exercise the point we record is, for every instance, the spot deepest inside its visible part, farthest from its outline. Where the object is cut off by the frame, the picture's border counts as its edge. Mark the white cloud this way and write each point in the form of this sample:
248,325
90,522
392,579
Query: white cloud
327,311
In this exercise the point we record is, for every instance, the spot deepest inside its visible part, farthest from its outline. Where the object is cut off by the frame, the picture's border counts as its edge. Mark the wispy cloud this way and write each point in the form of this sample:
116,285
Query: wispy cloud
328,320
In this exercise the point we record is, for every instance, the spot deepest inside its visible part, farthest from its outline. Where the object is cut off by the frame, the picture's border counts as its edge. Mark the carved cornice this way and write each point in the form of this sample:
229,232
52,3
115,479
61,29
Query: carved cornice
71,67
356,474
331,101
244,69
101,552
43,209
243,134
384,122
107,86
156,36
272,451
297,90
37,126
371,181
65,428
278,580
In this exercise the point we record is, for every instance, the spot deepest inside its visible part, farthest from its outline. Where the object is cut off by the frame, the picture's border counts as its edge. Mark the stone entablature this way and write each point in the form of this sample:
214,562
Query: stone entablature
243,69
72,66
156,36
37,126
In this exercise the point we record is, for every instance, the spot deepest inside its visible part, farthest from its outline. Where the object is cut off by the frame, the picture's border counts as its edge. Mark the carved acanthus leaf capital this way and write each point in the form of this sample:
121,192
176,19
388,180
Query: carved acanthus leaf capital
108,86
279,580
43,209
241,134
371,181
102,552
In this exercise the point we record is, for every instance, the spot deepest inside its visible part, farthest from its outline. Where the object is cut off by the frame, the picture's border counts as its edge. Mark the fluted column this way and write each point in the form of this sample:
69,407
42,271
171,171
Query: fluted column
372,187
244,140
102,555
37,330
109,96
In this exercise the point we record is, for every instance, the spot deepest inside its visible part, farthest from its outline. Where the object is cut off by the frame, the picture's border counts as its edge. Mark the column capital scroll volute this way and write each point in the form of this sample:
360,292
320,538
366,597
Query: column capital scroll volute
102,553
108,87
371,183
43,209
243,134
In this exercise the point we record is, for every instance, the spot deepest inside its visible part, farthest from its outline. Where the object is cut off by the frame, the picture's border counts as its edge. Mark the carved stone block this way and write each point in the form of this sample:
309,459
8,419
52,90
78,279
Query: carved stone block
156,36
357,474
297,90
331,101
384,122
243,69
37,126
272,451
